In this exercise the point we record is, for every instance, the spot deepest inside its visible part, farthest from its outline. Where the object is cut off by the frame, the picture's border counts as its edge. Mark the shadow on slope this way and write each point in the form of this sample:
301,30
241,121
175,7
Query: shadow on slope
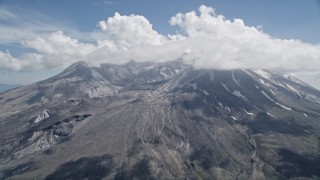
84,168
265,124
140,170
297,165
20,169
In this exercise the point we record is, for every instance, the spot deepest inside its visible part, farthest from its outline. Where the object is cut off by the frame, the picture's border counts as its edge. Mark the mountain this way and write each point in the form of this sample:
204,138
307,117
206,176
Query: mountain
6,87
160,121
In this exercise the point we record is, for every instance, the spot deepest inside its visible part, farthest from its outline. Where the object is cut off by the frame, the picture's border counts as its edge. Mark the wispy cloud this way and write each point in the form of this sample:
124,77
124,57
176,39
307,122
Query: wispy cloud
25,25
6,15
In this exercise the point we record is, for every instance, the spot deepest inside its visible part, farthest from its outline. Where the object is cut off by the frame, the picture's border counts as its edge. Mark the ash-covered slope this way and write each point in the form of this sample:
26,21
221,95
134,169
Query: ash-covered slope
160,121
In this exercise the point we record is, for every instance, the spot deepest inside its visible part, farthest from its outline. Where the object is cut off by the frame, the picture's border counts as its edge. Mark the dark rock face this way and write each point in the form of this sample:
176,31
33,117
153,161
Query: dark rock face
160,121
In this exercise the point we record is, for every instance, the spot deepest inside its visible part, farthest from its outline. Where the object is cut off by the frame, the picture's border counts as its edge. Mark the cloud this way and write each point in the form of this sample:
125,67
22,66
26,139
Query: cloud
204,38
5,14
129,31
57,50
17,27
30,61
231,44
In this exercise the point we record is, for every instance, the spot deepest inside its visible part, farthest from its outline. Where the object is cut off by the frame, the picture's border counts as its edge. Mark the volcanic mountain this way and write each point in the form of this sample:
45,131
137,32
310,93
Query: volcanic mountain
160,121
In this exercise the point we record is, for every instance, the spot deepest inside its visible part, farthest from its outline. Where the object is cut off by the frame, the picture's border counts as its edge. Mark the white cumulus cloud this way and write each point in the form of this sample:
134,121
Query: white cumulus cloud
57,50
204,38
129,31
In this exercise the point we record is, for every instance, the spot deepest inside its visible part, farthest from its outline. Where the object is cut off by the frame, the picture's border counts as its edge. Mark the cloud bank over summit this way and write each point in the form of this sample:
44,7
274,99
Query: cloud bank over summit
204,38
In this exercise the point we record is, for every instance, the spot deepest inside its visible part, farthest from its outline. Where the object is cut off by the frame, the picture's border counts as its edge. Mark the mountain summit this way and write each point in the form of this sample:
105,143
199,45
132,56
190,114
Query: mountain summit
160,121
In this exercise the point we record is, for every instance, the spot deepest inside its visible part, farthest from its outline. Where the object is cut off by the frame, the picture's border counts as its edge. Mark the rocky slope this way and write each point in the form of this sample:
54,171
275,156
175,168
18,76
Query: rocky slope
160,121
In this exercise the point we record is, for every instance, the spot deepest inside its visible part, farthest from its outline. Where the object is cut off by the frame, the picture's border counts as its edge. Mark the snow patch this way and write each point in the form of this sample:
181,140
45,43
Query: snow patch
235,80
225,87
279,84
271,115
238,93
264,83
272,92
205,92
227,108
249,113
248,72
294,90
262,73
164,74
284,107
234,118
305,114
224,107
220,104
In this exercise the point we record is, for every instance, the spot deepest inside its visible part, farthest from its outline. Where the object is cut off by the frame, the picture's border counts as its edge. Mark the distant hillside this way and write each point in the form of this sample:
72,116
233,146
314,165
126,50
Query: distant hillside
5,87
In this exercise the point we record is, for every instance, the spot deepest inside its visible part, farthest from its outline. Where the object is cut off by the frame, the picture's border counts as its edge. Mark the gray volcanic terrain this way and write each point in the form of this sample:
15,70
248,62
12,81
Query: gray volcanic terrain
160,121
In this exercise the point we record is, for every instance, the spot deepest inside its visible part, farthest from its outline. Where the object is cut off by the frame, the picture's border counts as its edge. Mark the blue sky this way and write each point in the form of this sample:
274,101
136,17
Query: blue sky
78,19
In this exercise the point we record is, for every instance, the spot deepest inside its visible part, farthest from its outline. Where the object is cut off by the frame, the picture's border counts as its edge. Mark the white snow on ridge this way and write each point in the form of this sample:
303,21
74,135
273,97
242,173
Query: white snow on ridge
264,83
249,113
271,115
238,93
220,104
262,73
235,80
234,118
266,95
284,107
224,107
294,90
305,114
279,84
164,74
205,92
272,92
249,73
225,87
43,115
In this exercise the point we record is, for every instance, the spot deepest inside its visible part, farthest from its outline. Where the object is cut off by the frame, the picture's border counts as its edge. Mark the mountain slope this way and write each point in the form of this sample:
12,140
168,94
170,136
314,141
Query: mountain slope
165,120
